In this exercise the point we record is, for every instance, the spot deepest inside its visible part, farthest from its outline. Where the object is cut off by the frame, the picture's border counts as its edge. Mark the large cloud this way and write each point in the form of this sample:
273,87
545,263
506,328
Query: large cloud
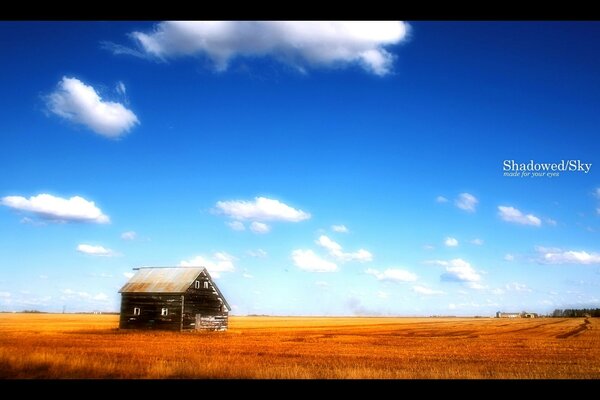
220,262
336,251
309,261
511,214
392,274
559,256
79,103
46,206
298,43
261,209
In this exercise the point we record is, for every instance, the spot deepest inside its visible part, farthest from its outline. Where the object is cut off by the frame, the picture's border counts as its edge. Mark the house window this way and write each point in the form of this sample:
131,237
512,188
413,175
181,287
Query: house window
164,312
136,311
206,285
197,284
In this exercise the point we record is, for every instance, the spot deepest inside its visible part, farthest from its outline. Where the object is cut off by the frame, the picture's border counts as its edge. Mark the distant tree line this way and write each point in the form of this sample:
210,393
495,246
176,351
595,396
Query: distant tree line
574,313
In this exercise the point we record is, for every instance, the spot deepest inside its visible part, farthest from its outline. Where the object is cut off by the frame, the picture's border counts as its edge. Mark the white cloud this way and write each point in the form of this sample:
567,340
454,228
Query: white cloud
247,275
597,193
236,225
517,287
259,227
259,253
79,103
339,228
551,222
121,89
498,291
511,214
558,256
450,242
129,235
509,257
477,242
261,209
322,284
392,274
83,296
95,250
467,202
476,285
298,43
100,297
128,275
428,247
46,206
220,262
457,270
335,250
441,199
307,260
5,294
424,290
452,306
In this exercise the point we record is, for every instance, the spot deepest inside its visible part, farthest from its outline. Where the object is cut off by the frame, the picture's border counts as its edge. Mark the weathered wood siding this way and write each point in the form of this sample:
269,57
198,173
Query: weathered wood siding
203,302
150,306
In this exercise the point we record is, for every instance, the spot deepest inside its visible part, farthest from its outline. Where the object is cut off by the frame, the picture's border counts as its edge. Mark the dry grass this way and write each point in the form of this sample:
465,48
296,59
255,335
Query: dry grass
90,346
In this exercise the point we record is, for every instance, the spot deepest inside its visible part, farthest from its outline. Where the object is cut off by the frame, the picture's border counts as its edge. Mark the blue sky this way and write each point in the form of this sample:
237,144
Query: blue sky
322,169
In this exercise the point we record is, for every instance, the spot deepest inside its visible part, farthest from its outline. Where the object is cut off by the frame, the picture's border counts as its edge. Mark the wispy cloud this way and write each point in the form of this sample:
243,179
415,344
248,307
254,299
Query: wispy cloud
559,256
509,257
511,214
301,44
426,291
392,275
441,199
339,228
477,242
307,260
95,250
258,253
259,227
261,209
517,287
236,225
467,202
220,262
79,103
58,209
129,235
336,251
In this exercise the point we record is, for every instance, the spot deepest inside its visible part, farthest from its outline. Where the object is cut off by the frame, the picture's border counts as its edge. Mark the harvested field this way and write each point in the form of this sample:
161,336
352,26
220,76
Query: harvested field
91,346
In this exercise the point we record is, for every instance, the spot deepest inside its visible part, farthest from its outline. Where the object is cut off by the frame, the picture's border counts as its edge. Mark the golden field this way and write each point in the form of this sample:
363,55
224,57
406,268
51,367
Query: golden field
91,346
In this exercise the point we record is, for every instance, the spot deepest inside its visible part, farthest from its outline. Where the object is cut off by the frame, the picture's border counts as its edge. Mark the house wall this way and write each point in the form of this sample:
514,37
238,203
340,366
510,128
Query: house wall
204,302
150,306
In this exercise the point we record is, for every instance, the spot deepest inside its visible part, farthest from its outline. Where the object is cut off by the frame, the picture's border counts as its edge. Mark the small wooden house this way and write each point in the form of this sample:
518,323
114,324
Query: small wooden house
173,298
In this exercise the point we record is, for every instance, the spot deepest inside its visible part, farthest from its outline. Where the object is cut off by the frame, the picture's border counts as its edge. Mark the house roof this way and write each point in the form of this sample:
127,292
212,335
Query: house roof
162,280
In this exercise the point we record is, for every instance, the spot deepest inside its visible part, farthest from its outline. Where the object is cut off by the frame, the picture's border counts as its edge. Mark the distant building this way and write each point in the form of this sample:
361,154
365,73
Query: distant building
174,298
523,314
